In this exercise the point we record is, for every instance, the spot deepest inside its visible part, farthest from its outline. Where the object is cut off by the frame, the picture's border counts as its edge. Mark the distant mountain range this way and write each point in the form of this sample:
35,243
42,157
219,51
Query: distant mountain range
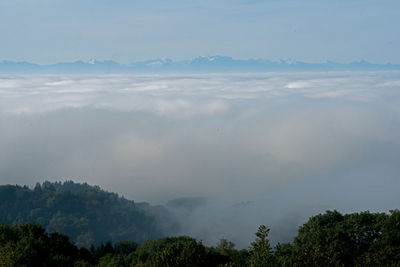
196,65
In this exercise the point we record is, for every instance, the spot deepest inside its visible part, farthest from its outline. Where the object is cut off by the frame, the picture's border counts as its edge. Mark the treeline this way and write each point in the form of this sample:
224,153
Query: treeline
87,214
329,239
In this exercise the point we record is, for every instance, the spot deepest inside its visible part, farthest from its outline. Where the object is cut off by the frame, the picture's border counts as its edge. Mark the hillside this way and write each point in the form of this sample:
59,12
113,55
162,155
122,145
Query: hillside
87,214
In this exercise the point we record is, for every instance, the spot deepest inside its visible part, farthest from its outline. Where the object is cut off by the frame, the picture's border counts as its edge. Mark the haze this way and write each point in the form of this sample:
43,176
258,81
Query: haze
51,31
269,148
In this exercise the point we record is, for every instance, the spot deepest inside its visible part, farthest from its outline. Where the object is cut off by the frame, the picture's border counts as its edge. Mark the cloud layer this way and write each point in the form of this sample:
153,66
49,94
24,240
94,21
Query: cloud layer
261,148
186,95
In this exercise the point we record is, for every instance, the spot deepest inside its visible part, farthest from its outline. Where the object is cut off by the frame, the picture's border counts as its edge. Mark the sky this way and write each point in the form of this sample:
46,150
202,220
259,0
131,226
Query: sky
265,148
50,31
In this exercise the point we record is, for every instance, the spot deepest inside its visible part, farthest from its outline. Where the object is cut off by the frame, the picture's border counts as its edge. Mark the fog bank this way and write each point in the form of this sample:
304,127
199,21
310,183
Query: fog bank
269,148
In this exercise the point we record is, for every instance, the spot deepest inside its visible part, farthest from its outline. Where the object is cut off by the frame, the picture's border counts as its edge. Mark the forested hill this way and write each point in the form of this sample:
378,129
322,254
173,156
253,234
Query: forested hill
87,214
330,239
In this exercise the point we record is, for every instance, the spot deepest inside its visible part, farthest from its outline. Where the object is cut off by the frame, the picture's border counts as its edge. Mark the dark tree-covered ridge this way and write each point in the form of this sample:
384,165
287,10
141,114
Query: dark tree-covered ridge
107,230
87,214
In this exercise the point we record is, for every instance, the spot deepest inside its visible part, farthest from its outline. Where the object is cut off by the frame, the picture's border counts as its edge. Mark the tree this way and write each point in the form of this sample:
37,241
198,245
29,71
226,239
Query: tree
260,250
224,246
183,252
284,255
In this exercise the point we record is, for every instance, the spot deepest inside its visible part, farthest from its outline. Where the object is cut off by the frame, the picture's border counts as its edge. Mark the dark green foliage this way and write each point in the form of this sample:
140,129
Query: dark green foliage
225,254
155,252
92,216
182,252
285,255
87,214
330,239
29,245
358,239
260,250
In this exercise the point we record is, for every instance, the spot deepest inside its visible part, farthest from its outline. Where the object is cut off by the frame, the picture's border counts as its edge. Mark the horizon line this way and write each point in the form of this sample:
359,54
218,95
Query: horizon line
288,61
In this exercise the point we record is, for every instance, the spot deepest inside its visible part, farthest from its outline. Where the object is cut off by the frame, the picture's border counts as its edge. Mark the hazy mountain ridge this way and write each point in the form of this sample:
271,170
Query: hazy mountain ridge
86,213
198,64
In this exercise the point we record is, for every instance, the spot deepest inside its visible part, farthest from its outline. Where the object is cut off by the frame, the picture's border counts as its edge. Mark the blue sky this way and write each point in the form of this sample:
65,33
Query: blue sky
49,31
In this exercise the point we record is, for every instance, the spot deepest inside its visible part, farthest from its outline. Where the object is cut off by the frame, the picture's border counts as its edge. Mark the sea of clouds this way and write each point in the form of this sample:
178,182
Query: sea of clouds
269,148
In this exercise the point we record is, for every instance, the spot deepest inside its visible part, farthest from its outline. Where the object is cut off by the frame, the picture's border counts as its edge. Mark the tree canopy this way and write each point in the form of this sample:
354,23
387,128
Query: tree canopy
87,214
329,239
80,225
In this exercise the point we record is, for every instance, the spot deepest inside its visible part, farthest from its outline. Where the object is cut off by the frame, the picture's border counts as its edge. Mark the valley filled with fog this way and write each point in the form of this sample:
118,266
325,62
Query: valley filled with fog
233,150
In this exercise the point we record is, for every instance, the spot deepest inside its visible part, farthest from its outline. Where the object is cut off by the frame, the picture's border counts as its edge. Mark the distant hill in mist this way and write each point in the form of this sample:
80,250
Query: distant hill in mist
195,65
87,214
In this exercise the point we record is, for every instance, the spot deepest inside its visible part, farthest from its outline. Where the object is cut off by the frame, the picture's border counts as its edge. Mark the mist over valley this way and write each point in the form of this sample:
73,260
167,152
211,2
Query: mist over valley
223,152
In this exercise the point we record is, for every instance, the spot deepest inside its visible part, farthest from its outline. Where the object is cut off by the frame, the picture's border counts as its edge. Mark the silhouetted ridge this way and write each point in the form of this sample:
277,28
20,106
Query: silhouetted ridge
202,64
87,214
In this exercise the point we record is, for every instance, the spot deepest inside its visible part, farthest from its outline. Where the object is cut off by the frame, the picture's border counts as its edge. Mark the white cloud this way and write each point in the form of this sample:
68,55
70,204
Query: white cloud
191,94
275,139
